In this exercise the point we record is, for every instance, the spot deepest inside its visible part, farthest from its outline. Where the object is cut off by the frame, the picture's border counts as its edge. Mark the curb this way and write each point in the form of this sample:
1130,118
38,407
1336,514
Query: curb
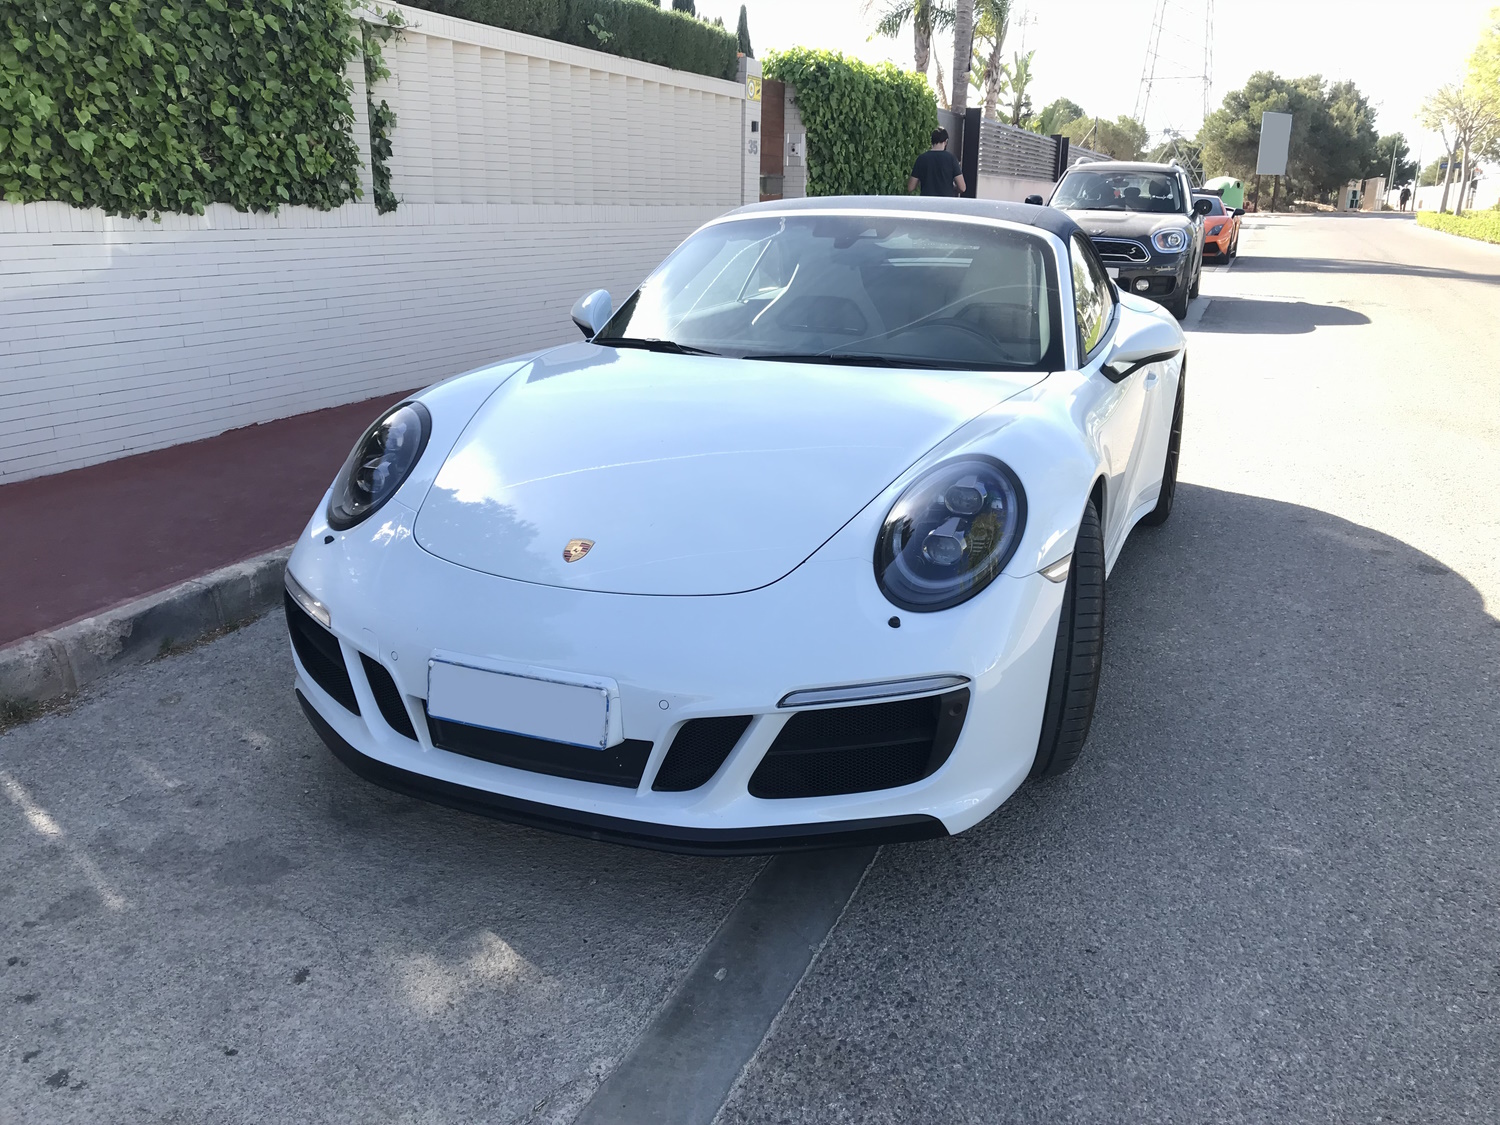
49,665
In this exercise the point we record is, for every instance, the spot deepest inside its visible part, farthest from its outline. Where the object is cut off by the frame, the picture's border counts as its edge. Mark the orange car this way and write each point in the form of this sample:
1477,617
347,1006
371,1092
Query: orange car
1221,227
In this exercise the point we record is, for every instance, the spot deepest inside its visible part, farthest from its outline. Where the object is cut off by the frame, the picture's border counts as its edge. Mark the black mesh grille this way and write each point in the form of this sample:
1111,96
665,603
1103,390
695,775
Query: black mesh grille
388,697
622,764
318,649
1121,250
698,751
859,749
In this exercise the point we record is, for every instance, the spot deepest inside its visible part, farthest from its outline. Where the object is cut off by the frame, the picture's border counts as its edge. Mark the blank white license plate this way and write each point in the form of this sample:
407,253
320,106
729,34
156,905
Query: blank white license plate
1113,273
538,708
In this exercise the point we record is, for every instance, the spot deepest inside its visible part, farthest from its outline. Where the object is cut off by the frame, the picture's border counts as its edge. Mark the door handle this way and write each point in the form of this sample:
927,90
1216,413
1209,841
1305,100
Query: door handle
1150,379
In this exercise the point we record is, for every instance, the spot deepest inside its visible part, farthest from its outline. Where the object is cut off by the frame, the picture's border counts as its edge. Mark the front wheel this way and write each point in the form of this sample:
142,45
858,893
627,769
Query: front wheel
1077,656
1178,305
1158,515
1197,279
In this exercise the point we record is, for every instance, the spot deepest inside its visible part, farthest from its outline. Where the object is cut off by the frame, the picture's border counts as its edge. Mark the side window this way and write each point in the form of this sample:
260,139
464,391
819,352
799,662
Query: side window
1093,299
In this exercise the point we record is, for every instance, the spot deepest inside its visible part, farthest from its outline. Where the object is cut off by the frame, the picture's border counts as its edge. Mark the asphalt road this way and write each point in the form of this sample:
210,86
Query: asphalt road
1269,892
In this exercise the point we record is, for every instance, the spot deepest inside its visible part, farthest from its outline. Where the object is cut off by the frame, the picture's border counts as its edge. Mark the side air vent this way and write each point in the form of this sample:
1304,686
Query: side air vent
698,751
321,657
388,697
861,749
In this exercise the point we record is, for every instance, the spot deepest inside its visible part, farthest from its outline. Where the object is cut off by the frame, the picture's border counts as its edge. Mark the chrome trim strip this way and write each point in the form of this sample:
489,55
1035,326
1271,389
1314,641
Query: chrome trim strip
310,605
884,689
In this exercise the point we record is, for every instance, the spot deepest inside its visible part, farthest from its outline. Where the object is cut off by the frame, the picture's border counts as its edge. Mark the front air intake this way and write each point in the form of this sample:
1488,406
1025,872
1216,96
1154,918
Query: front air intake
698,751
388,697
861,749
322,658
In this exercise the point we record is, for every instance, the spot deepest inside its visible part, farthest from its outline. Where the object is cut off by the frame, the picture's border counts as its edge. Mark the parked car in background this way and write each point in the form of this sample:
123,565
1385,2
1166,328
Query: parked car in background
804,544
1144,223
1221,227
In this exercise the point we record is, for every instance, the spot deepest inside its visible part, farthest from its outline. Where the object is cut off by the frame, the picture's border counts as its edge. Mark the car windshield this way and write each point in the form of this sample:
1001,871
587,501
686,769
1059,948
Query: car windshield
1155,192
868,290
1216,203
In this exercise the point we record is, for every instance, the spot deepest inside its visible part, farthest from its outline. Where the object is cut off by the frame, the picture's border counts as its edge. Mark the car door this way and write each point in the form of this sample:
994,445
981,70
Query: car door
1118,412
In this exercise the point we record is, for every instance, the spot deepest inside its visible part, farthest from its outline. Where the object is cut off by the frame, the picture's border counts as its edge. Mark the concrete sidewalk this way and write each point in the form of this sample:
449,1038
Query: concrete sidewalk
81,542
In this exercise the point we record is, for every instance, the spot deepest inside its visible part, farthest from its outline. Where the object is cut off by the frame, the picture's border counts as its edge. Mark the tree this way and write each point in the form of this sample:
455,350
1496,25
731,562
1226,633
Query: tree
963,54
991,22
1484,63
925,17
1016,78
1381,166
1470,114
1124,138
1432,174
742,32
1057,114
1333,132
687,6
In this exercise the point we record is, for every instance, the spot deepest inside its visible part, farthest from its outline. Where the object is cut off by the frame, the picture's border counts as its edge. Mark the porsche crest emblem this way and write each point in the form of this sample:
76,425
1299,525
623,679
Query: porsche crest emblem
576,549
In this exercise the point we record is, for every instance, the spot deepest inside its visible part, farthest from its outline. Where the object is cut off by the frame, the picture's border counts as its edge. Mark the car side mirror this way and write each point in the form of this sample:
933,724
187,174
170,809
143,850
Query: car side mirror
1152,340
1238,211
1203,206
1036,200
591,312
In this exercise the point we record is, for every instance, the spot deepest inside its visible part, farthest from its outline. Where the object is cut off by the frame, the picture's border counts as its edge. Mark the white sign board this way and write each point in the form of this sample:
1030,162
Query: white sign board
1275,138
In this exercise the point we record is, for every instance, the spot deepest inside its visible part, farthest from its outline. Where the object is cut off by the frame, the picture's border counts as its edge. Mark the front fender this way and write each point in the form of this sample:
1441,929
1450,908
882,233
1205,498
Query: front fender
1049,435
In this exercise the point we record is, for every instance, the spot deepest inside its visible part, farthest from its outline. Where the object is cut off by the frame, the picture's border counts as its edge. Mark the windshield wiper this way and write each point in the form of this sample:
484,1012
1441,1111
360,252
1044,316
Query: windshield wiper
854,359
655,345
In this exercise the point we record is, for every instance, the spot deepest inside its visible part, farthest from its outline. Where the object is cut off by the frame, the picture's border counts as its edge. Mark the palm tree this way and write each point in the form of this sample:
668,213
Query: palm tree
963,55
925,16
991,22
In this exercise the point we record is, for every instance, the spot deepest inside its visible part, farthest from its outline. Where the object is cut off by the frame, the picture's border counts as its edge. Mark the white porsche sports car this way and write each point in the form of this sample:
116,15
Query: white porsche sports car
804,545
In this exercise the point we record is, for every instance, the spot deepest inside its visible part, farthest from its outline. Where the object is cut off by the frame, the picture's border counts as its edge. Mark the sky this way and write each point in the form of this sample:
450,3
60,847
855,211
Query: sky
1093,51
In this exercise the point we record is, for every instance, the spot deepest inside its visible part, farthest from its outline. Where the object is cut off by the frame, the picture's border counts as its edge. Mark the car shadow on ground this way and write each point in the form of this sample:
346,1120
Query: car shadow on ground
1354,266
1266,892
1256,316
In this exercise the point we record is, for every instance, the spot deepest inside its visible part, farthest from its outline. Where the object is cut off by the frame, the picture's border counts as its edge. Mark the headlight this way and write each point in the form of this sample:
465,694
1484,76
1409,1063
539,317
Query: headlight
381,460
1216,228
953,529
1169,241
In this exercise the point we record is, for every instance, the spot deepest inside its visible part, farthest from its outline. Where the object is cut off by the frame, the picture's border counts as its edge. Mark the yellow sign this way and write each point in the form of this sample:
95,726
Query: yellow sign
752,87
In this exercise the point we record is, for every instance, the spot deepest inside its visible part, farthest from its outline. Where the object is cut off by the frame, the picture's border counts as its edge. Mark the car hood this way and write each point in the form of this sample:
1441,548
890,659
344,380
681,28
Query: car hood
1127,224
689,474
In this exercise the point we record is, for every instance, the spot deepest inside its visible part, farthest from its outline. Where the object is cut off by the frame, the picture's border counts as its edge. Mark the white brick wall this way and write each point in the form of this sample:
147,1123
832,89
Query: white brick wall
133,336
529,173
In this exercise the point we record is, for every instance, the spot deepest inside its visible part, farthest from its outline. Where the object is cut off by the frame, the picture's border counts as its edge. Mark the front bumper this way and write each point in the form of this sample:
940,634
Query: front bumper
662,837
1163,280
676,659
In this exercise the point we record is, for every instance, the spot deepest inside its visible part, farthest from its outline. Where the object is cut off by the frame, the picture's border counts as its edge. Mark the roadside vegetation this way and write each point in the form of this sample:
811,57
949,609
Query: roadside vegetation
1483,225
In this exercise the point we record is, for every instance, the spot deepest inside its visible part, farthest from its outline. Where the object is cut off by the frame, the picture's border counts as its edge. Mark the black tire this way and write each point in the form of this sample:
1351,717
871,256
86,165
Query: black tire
1197,277
1178,305
1234,248
1077,656
1158,515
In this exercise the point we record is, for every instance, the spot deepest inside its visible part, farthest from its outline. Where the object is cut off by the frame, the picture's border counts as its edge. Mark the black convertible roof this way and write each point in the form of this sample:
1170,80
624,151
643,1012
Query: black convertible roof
1043,218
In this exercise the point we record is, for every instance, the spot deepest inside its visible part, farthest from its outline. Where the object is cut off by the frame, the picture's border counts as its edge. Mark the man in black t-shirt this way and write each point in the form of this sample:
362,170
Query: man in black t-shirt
937,171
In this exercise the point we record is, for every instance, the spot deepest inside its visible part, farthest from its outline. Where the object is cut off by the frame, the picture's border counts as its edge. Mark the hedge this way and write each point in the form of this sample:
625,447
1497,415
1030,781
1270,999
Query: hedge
142,106
1483,225
865,124
633,29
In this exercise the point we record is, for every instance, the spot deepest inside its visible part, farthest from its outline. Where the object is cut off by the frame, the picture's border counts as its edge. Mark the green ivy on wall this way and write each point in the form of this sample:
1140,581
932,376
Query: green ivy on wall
382,117
866,125
633,29
143,106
